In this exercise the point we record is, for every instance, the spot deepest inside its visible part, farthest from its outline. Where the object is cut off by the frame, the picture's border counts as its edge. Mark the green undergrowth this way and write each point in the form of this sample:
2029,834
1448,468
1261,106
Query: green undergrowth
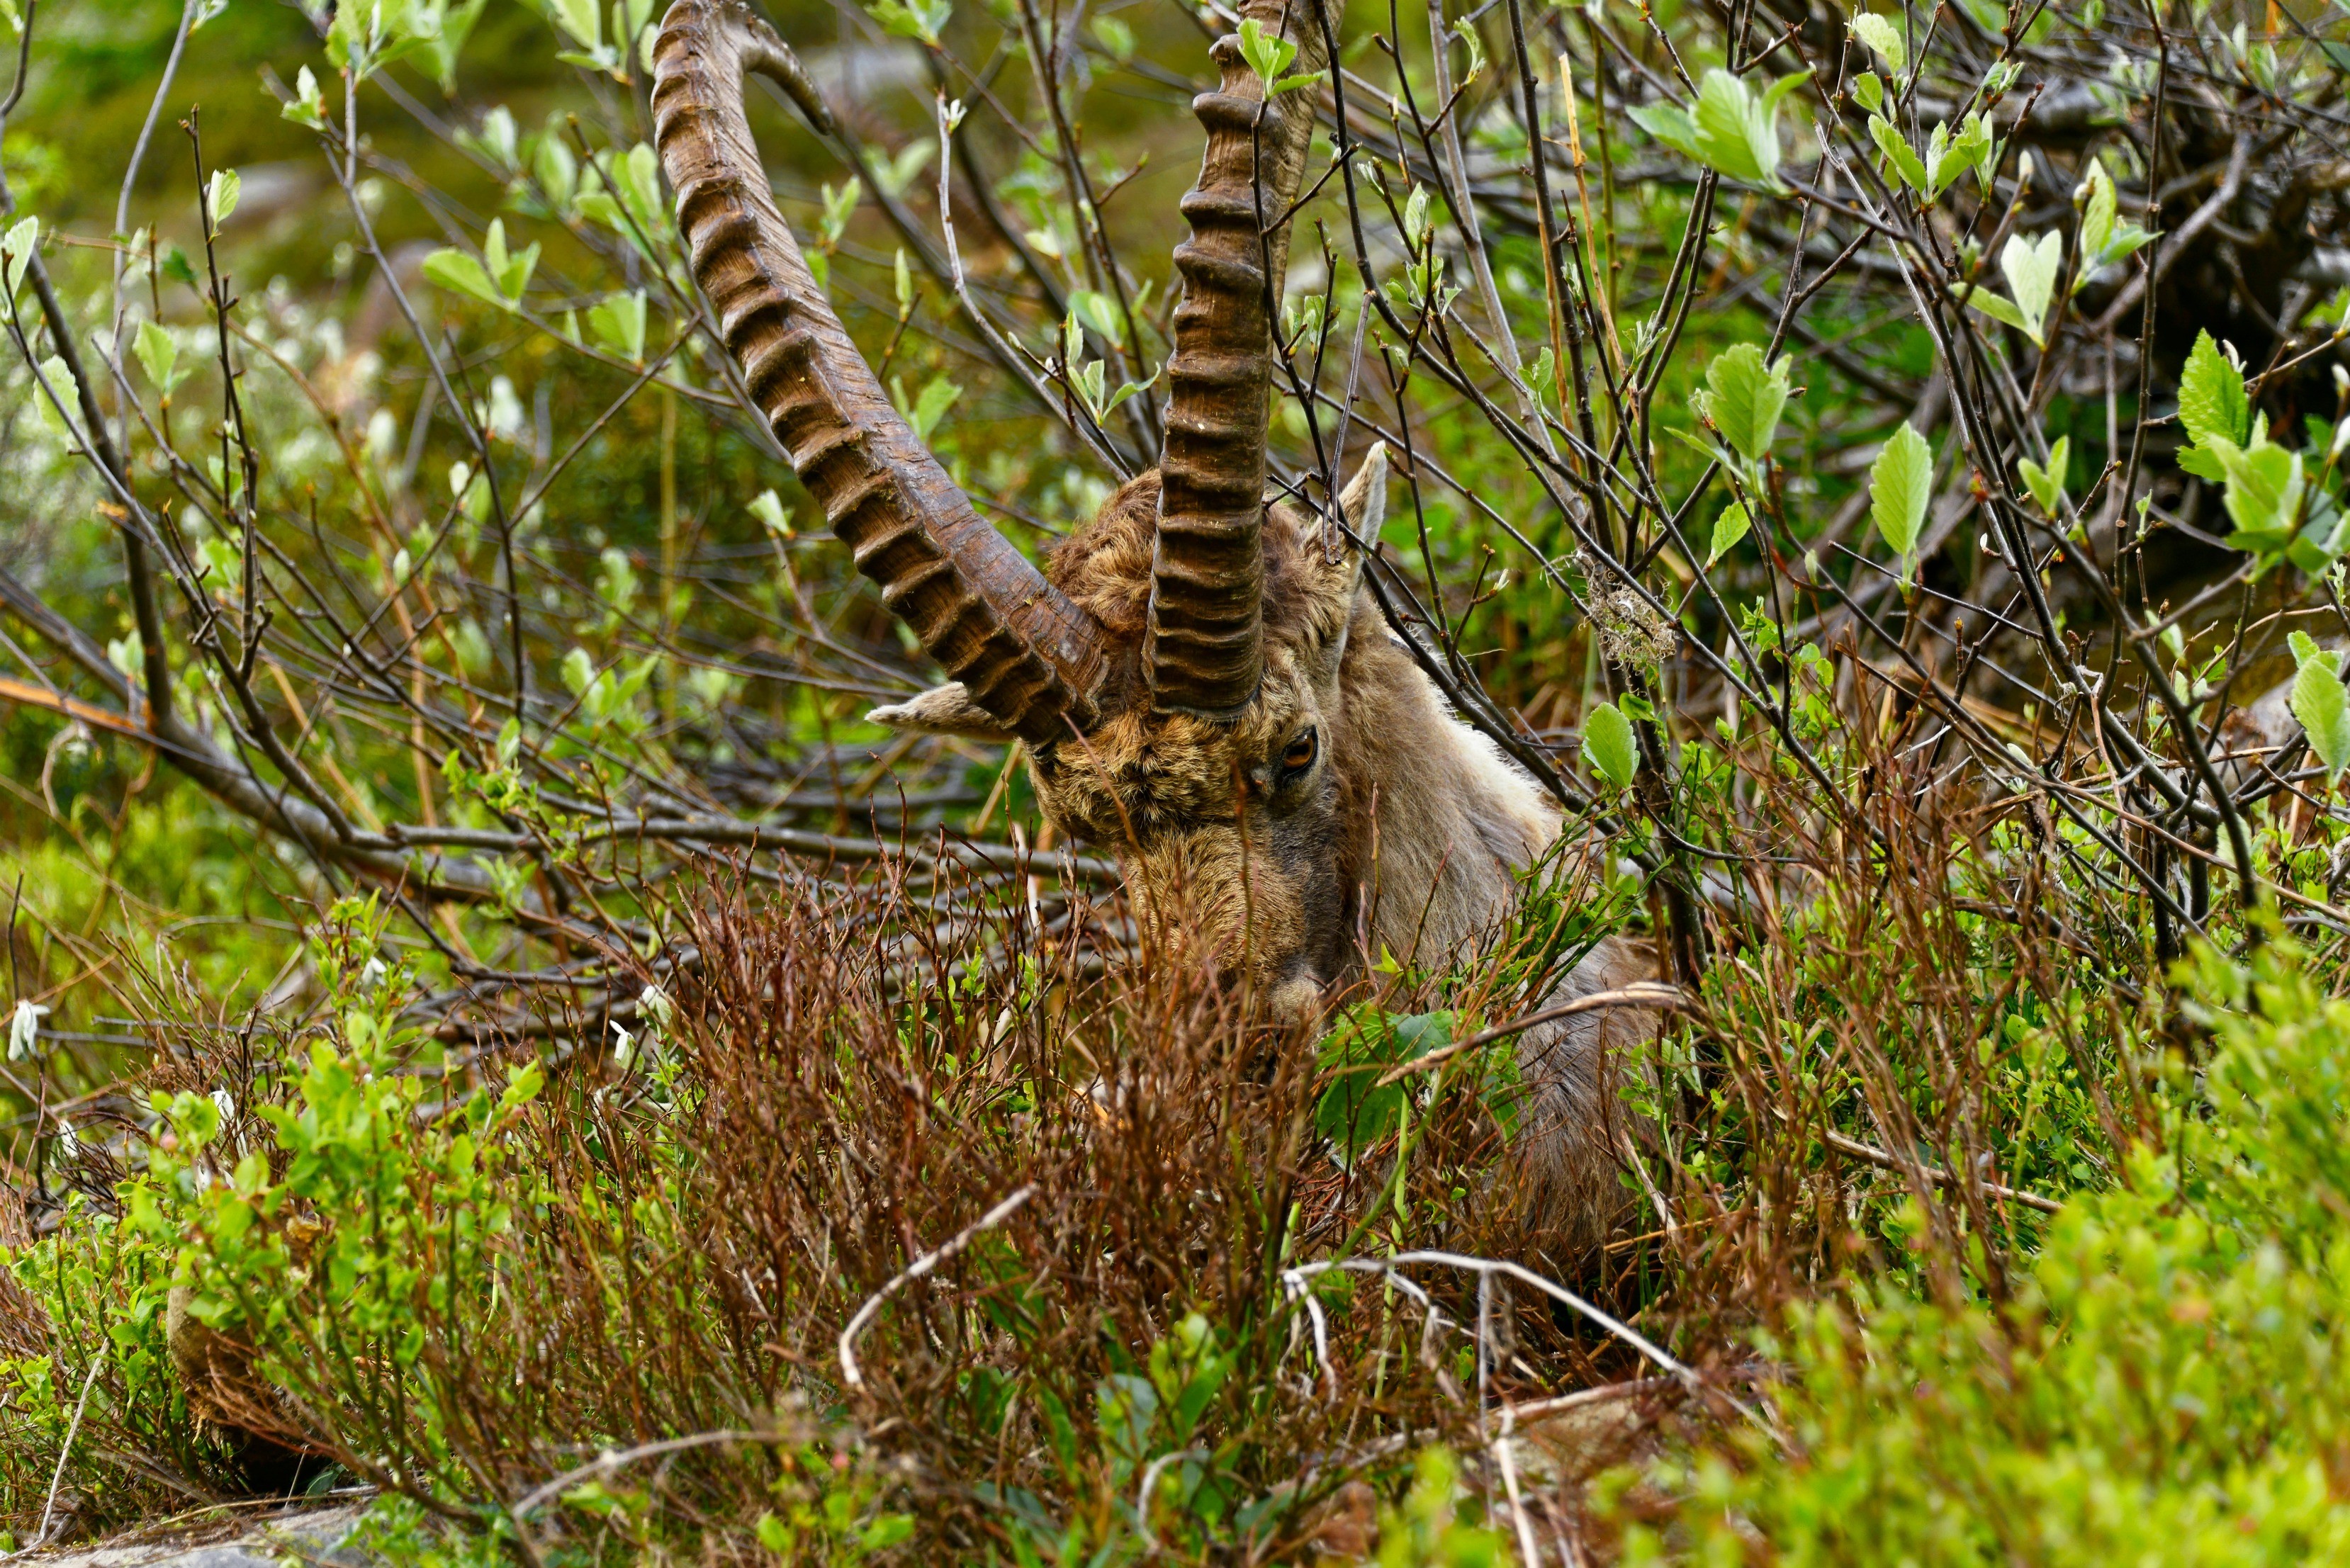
2165,1383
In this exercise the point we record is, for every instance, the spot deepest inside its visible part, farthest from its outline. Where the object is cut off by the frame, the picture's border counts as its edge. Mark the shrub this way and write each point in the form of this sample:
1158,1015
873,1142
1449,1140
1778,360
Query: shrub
2167,1383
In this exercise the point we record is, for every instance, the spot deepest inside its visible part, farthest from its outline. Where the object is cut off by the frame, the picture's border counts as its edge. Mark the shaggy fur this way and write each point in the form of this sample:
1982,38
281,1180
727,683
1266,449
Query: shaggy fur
1404,833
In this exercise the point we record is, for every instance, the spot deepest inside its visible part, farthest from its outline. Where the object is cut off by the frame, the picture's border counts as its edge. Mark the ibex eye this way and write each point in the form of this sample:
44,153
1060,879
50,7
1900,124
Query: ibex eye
1299,755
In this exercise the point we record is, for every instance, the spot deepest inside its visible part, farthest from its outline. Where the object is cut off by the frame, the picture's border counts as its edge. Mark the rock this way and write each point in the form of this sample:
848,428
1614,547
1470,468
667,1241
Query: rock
306,1533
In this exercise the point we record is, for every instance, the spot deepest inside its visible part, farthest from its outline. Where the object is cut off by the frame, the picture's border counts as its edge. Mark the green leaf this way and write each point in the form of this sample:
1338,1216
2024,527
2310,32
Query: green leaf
1900,485
307,107
61,387
1998,307
497,140
461,274
18,246
619,323
1744,398
159,355
2031,268
922,20
637,179
511,273
2321,703
1869,91
924,411
2047,484
1948,156
1114,36
1733,525
2098,212
1607,745
768,508
1267,53
1670,124
579,18
2265,485
1880,35
897,174
1357,1111
2212,401
1898,153
2202,464
221,194
442,49
2322,540
1737,132
1099,314
1732,131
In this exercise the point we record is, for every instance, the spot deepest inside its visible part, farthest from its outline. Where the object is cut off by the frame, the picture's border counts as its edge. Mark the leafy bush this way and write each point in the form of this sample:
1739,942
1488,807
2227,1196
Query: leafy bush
2165,1384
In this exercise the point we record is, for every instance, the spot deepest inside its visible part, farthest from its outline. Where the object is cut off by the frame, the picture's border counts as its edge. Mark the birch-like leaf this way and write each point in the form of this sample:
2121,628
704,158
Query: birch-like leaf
221,194
1744,398
1733,525
2211,399
1733,130
307,107
1670,124
159,355
1898,154
768,508
620,322
510,271
1951,155
1998,307
18,246
2266,485
2098,212
1880,35
579,18
45,403
2320,704
2046,485
1267,53
2032,268
1099,313
2105,237
1607,745
461,273
1900,482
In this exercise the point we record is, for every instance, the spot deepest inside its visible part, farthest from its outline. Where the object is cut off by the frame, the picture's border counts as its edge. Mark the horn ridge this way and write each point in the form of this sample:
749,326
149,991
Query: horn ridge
1026,652
1204,648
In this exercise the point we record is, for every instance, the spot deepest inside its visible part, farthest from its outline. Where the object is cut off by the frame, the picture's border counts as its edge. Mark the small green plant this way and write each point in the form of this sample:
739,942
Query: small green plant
2162,1385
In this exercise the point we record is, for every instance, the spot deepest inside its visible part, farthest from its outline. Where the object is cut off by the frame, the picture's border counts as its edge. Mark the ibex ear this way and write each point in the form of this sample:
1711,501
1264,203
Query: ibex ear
945,710
1364,504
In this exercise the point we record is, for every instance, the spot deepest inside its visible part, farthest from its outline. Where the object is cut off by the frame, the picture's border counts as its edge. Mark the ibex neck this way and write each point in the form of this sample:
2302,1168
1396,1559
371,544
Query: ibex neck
1442,820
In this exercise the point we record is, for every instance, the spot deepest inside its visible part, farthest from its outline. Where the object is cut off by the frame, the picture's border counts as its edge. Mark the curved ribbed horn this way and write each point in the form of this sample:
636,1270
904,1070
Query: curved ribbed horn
1026,653
1206,648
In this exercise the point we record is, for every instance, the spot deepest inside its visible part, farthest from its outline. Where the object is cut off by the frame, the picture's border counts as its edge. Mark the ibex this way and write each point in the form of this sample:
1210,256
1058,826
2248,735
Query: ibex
1199,684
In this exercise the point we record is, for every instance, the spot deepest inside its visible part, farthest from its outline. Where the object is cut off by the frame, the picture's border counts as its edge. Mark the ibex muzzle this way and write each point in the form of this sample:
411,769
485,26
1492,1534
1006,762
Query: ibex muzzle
1202,685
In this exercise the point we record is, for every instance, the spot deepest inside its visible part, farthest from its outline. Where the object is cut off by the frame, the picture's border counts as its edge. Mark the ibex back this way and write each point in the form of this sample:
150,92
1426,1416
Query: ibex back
1201,685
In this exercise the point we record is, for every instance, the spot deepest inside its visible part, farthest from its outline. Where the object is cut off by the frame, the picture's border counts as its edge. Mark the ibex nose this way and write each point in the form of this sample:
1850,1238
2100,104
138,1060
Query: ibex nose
1297,999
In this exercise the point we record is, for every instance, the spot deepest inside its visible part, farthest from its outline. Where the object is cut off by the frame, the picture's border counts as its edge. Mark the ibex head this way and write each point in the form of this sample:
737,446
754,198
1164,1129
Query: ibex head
1248,830
1178,671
